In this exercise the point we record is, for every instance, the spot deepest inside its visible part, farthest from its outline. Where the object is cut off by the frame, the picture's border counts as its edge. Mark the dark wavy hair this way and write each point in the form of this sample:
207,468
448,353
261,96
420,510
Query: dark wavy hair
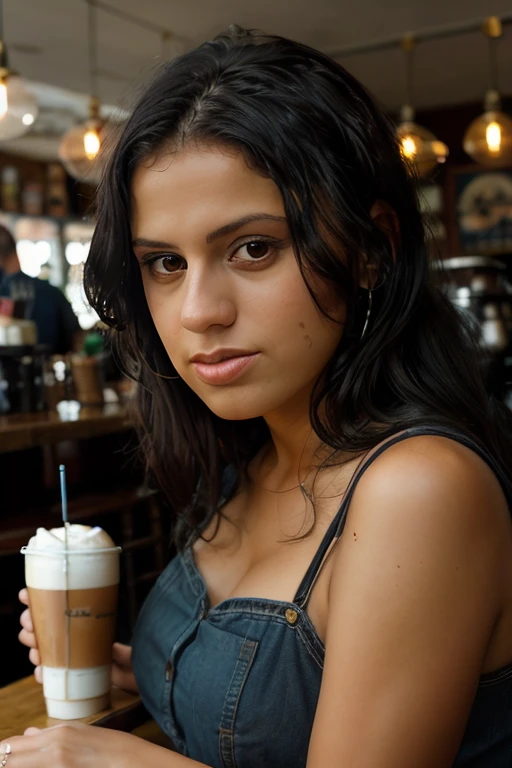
303,121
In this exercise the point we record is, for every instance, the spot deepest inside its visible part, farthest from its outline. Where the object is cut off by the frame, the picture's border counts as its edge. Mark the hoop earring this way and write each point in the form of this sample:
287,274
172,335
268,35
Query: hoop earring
367,313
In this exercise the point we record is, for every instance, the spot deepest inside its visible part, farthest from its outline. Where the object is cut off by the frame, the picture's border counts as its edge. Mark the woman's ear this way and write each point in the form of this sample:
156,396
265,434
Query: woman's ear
386,219
368,278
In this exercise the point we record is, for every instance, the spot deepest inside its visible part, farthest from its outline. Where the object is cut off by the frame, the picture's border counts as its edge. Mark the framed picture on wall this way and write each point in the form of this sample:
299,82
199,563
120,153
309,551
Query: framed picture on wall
479,211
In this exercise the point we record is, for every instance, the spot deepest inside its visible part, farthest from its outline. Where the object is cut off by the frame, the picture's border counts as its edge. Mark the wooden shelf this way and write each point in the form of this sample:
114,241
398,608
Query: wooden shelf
70,219
30,430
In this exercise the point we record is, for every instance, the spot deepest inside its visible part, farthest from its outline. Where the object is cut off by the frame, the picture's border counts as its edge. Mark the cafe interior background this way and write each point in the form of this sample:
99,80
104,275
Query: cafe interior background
69,73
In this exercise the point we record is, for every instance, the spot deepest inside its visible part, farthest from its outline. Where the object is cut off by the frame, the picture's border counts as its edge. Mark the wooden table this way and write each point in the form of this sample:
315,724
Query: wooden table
29,430
22,705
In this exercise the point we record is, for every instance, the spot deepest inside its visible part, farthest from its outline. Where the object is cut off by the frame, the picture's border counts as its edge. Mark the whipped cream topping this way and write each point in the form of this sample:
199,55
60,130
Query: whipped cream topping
78,537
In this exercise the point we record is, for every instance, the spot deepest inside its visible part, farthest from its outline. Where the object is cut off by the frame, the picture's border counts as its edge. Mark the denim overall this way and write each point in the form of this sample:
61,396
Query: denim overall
236,685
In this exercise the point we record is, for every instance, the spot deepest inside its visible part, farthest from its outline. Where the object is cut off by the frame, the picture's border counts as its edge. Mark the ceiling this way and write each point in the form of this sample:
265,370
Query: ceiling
47,44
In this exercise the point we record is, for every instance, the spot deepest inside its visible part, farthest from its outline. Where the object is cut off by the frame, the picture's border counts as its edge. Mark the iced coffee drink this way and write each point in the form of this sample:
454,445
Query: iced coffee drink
72,576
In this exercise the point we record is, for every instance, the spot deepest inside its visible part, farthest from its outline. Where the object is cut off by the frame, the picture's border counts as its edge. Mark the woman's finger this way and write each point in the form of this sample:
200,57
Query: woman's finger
27,638
124,680
38,674
23,596
122,655
34,657
22,749
26,620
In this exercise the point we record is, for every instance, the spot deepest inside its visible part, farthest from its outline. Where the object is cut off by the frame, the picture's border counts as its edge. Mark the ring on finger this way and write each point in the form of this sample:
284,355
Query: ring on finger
5,751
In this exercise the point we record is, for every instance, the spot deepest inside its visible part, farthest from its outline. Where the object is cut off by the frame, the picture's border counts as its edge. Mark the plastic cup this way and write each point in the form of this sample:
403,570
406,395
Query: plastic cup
73,597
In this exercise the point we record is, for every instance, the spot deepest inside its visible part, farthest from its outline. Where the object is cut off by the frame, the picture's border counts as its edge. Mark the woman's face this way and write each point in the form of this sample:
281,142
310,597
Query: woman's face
223,285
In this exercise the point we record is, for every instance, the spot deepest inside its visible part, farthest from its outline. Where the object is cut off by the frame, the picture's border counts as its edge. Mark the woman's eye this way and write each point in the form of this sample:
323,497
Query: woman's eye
254,250
166,265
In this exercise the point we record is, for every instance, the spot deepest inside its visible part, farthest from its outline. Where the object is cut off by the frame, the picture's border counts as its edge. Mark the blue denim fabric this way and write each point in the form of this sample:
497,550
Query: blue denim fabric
236,686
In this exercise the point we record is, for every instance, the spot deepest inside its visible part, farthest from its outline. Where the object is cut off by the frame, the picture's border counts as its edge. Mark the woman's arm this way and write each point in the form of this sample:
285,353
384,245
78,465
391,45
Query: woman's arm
73,745
414,596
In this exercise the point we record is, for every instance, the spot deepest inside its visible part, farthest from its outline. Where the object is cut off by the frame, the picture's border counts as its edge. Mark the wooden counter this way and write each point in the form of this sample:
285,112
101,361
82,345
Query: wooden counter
29,430
22,705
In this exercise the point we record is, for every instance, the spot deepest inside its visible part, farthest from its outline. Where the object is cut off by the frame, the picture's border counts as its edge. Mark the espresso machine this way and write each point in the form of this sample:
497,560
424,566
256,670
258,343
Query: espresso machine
479,286
22,364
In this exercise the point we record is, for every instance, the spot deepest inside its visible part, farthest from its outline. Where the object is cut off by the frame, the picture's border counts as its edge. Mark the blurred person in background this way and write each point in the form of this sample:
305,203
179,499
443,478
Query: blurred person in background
57,324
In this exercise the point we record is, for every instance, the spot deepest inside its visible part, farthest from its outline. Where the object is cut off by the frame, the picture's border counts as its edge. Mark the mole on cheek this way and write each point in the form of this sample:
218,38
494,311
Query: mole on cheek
301,325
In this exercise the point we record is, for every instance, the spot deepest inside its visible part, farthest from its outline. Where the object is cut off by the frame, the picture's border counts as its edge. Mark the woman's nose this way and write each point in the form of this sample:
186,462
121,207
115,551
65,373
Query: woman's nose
207,301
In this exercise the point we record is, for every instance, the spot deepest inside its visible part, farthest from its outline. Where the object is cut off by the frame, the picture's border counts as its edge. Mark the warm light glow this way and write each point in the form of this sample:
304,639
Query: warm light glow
3,98
409,147
91,143
82,151
18,106
440,150
493,137
420,148
76,253
488,139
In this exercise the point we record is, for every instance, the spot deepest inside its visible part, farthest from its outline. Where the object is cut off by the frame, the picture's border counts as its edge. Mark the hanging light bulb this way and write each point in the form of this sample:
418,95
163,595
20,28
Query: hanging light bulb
409,146
91,143
488,139
3,97
493,137
82,148
18,107
419,147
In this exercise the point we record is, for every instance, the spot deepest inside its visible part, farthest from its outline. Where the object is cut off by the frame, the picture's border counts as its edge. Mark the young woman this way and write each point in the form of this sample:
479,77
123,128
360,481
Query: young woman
314,412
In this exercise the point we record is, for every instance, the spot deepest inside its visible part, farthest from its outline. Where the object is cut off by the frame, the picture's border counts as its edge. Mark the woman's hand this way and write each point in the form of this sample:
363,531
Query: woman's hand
74,745
28,638
122,672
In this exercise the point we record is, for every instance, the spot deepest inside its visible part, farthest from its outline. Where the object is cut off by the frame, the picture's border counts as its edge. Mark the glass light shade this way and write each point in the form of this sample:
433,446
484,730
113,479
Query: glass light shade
80,152
18,107
420,147
488,139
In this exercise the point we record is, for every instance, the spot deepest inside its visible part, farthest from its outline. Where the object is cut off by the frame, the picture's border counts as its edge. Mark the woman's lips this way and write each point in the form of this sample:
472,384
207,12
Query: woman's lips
225,371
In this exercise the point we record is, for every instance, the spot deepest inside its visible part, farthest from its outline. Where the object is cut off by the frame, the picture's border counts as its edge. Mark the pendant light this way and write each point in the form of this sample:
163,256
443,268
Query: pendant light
418,145
18,107
488,139
80,147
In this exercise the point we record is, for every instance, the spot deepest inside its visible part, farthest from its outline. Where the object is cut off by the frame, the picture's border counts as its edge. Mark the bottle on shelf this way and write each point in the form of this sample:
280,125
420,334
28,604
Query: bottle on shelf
10,189
57,203
33,198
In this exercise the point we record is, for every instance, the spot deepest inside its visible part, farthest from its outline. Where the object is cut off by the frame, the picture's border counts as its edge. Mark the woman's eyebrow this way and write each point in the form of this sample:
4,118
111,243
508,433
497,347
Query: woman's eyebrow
143,242
227,229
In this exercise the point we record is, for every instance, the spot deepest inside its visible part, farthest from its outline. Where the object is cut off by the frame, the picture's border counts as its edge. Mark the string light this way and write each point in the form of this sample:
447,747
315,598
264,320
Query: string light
488,139
80,147
419,147
18,107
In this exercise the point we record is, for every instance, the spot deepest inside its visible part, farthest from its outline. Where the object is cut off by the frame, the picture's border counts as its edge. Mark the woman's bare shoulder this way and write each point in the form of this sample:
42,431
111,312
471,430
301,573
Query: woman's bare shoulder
433,494
437,468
